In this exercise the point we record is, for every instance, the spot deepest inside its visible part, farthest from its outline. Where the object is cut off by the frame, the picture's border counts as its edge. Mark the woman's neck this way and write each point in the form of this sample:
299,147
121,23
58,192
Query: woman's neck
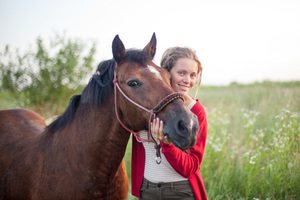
188,100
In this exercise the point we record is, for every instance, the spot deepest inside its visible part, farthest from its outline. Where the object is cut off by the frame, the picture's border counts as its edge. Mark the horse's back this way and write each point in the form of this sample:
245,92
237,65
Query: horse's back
19,129
21,121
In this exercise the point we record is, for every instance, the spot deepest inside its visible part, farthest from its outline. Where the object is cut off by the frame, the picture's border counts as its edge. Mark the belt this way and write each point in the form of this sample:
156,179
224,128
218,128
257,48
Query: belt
165,184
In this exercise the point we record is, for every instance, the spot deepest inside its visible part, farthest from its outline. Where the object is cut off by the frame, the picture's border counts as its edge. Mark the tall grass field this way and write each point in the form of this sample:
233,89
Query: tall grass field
253,147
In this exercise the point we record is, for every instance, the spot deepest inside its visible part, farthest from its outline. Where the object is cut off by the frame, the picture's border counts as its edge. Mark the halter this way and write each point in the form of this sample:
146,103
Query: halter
163,103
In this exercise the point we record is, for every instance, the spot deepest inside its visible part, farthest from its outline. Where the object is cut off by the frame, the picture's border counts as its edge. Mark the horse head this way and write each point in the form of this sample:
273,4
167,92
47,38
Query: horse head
147,84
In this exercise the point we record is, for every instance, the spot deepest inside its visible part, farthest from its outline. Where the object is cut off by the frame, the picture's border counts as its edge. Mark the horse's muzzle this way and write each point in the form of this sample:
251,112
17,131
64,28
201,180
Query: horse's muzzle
182,129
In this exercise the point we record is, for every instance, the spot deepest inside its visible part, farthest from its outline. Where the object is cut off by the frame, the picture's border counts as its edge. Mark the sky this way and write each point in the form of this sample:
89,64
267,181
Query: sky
240,41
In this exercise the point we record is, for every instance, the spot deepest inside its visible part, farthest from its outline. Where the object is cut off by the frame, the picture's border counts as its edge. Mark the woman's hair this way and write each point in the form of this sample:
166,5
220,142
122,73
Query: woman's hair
171,56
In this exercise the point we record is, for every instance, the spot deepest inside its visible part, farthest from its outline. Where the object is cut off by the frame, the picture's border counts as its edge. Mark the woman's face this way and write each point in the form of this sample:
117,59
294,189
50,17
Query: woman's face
184,75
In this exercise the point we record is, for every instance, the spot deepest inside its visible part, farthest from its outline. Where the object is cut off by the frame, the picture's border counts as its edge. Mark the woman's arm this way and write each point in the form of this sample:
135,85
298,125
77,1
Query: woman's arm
187,162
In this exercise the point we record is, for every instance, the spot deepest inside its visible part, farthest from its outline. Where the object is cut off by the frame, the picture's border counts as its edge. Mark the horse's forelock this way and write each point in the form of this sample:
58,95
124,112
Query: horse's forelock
137,56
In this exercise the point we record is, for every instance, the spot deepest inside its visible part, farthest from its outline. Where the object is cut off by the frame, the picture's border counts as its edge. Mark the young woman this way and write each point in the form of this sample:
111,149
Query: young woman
178,175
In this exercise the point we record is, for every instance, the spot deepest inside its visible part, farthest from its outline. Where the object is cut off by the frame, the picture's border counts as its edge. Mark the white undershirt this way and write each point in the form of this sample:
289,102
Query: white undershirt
154,172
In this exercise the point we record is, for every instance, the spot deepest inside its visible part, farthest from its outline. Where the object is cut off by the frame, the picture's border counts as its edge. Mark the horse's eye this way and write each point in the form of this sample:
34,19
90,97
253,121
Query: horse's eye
133,83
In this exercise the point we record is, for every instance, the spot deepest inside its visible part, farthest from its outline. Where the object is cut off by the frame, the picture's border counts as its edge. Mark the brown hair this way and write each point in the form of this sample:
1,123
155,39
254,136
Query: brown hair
171,55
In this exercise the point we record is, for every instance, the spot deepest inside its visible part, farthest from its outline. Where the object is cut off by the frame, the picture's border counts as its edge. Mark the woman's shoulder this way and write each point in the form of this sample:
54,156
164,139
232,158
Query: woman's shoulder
198,108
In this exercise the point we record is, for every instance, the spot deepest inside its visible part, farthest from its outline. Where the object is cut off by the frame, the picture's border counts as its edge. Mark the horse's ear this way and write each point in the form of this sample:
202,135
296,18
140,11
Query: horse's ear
150,48
118,49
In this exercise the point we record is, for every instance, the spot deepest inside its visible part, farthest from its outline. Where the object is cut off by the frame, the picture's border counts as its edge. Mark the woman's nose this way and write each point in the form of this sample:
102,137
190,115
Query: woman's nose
186,79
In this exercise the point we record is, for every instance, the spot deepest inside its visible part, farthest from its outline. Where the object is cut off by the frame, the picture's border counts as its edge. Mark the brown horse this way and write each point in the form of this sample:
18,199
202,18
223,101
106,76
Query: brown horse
80,154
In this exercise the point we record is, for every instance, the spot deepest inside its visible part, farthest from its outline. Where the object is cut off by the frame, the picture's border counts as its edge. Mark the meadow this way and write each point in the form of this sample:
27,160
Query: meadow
253,147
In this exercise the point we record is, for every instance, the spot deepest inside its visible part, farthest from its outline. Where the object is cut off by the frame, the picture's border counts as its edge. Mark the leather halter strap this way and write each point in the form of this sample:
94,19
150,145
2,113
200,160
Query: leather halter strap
163,103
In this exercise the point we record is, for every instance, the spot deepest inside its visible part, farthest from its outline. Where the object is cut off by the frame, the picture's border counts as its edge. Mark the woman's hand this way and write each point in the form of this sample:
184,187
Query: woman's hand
157,127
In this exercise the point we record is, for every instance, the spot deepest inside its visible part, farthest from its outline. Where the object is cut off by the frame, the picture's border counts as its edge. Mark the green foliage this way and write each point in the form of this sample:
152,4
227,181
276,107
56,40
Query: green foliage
50,73
7,101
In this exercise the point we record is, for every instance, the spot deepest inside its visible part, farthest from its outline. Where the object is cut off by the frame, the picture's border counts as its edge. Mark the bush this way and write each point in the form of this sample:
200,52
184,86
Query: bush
49,74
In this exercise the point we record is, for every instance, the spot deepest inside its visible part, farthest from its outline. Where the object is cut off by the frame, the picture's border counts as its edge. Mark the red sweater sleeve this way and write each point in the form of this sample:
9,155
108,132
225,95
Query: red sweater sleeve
187,163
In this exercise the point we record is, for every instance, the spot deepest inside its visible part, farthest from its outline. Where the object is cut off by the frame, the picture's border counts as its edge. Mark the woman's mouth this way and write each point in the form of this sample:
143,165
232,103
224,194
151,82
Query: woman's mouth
184,87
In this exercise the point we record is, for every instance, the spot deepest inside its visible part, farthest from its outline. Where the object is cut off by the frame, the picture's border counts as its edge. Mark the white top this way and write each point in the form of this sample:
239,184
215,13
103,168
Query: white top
191,104
154,172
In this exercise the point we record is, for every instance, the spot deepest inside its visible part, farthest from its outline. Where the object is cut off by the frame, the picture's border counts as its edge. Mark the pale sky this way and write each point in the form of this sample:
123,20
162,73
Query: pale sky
236,40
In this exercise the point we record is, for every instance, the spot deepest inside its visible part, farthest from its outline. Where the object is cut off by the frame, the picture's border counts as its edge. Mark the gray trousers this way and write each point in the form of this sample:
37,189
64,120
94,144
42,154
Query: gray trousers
180,190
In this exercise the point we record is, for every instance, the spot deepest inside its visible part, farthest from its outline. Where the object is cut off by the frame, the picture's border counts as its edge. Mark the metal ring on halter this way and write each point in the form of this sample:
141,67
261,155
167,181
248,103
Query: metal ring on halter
158,159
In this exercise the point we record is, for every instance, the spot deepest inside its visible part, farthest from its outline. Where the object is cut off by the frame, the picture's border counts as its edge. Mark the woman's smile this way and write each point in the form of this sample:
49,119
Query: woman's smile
184,87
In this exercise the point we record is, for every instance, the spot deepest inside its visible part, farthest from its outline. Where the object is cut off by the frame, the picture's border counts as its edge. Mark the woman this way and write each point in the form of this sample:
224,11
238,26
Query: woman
178,175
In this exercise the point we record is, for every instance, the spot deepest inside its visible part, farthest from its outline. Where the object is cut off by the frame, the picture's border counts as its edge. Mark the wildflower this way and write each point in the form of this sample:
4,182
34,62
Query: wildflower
254,137
294,115
252,160
261,133
246,154
271,163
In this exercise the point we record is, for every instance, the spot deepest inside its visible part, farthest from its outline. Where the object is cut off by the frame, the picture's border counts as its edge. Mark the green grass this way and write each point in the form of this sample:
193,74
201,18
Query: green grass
7,102
253,145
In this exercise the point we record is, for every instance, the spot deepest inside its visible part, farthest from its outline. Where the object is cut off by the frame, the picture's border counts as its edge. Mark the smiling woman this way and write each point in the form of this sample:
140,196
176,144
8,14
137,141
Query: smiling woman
178,174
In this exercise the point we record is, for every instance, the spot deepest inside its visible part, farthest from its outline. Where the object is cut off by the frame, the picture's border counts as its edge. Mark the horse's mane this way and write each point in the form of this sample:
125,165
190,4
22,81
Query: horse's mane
99,87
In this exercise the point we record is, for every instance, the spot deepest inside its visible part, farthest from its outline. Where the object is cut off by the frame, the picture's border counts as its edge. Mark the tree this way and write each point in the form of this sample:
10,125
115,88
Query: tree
49,73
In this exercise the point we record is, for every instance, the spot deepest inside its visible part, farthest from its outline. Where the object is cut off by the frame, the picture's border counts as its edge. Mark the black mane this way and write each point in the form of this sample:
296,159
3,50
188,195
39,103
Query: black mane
101,83
99,87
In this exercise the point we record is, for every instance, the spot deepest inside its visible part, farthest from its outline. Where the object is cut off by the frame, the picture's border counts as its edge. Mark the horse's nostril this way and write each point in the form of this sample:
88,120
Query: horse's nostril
182,128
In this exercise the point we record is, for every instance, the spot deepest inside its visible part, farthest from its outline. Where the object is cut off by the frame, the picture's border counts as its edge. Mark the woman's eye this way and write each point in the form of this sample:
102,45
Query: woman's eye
133,83
193,75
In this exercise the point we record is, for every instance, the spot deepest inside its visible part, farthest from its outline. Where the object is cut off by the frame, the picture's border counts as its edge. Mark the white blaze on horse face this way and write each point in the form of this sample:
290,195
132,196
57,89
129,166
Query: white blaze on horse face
157,74
191,123
155,71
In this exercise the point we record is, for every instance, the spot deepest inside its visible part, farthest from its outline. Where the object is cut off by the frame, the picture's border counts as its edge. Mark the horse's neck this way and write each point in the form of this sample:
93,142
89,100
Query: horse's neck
100,136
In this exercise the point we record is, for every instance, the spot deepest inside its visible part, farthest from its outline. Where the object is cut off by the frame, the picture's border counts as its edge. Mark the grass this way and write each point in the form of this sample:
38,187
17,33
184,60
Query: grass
253,145
7,102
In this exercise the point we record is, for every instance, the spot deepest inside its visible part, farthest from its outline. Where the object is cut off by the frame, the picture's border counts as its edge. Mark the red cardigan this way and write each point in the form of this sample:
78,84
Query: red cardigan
186,164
